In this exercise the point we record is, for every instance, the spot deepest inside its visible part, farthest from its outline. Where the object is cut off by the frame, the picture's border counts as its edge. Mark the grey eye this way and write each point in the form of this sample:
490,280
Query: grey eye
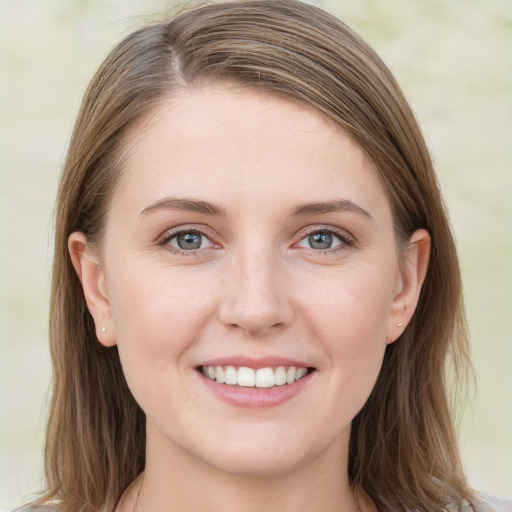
320,240
188,241
323,240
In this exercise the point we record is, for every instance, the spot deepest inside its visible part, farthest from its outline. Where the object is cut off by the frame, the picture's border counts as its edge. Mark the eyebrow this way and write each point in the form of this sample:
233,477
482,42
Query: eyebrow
341,205
189,205
301,210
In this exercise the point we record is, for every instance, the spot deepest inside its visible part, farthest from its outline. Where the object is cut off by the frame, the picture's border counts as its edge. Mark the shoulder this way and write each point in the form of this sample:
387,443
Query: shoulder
487,503
35,508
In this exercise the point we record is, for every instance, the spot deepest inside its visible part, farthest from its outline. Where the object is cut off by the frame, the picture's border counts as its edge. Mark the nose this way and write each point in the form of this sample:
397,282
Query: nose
256,294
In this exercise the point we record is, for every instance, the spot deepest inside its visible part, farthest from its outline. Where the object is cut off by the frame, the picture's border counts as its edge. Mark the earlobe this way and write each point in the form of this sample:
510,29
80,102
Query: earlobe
92,277
412,276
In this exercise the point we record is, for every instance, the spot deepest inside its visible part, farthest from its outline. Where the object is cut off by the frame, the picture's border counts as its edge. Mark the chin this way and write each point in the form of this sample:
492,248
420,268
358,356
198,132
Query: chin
259,457
258,464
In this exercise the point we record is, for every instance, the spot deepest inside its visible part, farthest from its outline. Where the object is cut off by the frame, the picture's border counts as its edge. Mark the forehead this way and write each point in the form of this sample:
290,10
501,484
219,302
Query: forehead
222,140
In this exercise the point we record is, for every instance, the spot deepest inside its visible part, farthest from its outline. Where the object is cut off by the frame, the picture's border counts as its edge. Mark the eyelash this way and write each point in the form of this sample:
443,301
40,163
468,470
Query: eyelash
345,238
169,235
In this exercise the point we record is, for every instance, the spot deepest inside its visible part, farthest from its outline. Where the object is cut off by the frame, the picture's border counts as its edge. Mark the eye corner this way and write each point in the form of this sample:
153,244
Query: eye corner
188,240
329,239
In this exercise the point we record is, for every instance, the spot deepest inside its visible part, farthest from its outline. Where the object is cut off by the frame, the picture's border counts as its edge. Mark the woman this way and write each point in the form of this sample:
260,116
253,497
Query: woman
255,286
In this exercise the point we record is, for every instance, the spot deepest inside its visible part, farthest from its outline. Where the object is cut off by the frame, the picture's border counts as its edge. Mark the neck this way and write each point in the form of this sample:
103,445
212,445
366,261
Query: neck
174,480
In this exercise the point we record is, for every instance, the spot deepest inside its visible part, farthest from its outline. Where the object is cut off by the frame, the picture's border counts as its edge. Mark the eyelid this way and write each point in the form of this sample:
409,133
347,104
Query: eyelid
168,234
347,240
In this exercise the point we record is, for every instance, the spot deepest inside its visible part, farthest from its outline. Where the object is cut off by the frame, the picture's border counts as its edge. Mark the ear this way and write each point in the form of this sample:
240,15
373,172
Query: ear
92,277
412,275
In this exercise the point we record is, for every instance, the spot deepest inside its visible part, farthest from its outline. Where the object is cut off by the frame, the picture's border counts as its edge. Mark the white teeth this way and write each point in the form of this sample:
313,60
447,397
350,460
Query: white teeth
301,372
246,377
280,376
290,374
220,375
260,378
265,378
230,376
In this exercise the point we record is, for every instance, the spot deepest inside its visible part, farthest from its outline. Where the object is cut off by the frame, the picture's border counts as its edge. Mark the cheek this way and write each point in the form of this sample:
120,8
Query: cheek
348,315
158,316
352,304
157,305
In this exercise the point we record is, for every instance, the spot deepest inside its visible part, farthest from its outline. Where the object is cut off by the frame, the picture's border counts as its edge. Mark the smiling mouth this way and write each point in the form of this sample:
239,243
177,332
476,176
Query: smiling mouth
255,378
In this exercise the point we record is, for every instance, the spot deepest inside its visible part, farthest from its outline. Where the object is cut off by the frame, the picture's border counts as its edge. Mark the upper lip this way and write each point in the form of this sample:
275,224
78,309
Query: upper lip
252,362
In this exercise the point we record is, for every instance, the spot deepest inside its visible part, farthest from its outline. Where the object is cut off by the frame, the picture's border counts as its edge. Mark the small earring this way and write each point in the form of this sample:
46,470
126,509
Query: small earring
399,324
103,329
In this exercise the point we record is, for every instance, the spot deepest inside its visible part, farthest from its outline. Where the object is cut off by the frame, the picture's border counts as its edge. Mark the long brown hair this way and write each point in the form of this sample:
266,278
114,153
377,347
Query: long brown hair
403,450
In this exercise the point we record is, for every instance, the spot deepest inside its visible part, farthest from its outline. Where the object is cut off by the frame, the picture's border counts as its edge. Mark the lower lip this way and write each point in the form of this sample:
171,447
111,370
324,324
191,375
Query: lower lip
256,398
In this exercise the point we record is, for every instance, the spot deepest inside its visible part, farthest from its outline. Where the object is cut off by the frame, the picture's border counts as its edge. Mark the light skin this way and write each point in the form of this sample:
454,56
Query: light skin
296,259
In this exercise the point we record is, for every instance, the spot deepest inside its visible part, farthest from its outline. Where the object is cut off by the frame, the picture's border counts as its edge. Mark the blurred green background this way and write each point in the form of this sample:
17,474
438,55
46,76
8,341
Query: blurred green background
454,61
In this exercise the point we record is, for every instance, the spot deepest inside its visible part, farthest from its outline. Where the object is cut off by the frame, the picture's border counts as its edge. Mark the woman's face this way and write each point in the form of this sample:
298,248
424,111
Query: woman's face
248,232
